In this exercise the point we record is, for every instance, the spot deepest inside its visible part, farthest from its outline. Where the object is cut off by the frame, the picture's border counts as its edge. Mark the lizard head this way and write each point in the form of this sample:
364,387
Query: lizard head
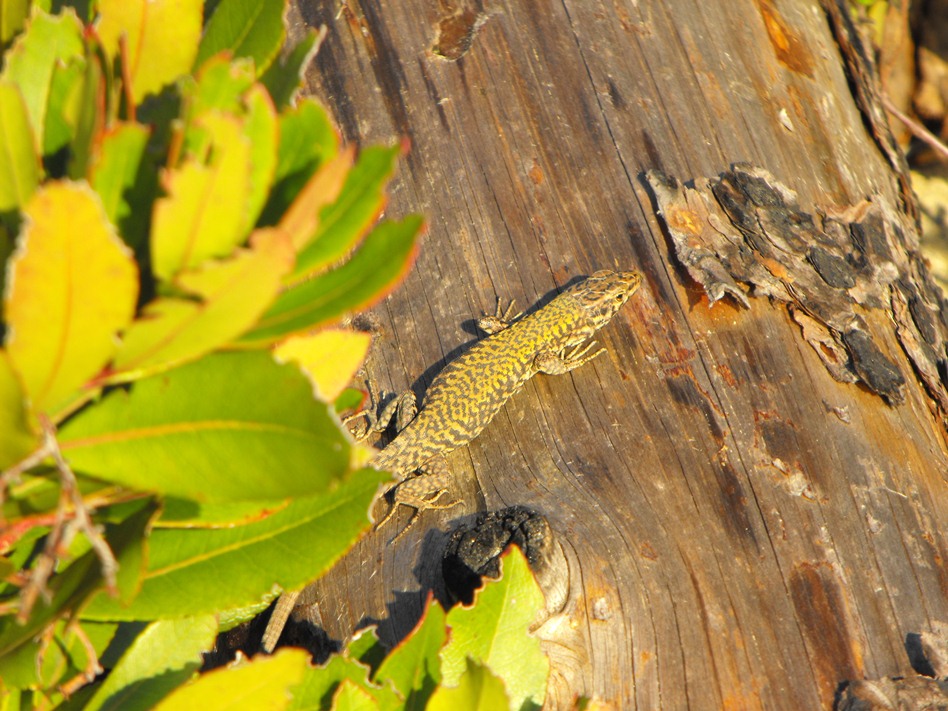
603,294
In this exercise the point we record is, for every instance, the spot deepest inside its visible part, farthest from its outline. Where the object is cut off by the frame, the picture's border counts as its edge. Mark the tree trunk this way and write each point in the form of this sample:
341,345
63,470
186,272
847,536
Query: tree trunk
750,496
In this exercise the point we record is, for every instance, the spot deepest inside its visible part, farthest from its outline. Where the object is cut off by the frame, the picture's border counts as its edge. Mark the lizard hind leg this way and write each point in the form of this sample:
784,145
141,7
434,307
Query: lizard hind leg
420,492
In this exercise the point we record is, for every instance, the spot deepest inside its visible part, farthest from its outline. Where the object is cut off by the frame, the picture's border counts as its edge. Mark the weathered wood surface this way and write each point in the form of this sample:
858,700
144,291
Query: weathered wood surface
742,530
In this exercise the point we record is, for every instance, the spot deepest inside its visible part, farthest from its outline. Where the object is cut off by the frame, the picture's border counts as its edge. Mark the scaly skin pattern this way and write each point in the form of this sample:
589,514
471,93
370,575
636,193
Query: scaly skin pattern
471,390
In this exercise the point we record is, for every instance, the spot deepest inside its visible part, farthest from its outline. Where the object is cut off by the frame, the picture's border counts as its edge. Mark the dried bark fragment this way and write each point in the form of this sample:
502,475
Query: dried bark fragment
457,28
834,270
687,217
927,690
831,266
873,368
911,694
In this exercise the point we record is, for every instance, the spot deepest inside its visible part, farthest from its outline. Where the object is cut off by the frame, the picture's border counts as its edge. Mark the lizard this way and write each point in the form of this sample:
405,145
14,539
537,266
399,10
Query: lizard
466,395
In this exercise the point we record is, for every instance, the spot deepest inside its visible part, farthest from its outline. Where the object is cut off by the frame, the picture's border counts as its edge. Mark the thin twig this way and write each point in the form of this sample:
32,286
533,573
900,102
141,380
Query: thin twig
46,563
93,668
917,129
64,527
92,532
12,475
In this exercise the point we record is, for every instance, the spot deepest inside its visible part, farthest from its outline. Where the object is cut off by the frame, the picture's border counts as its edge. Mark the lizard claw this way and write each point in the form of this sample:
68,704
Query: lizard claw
577,356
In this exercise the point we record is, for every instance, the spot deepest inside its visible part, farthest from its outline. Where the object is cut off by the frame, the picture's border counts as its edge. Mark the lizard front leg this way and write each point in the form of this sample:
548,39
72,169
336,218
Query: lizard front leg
499,320
562,362
402,409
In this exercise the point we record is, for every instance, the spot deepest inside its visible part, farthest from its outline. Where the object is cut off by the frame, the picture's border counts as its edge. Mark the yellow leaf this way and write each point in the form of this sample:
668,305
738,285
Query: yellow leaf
161,39
262,683
72,286
205,212
18,438
231,296
329,358
302,217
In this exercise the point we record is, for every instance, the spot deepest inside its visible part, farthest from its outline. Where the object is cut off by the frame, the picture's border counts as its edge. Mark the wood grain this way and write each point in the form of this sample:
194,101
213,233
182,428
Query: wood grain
742,530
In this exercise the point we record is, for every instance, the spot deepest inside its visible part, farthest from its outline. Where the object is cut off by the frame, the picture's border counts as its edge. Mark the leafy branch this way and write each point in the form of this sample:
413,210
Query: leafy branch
183,238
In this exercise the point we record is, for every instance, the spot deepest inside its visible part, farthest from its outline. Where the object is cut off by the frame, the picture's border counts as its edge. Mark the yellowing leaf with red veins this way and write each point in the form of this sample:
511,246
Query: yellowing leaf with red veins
161,39
72,286
205,212
302,217
232,294
329,358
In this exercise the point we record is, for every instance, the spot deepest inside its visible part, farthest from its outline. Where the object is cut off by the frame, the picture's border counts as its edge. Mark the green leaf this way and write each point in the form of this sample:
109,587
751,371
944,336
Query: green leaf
301,217
359,204
6,250
371,272
349,399
79,656
23,549
48,41
307,140
32,502
161,38
19,668
365,647
320,685
228,297
414,667
19,159
495,632
198,571
229,427
63,104
117,174
245,28
284,76
72,588
165,655
12,18
88,118
73,287
184,513
351,697
477,690
261,128
220,85
18,438
65,656
263,683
